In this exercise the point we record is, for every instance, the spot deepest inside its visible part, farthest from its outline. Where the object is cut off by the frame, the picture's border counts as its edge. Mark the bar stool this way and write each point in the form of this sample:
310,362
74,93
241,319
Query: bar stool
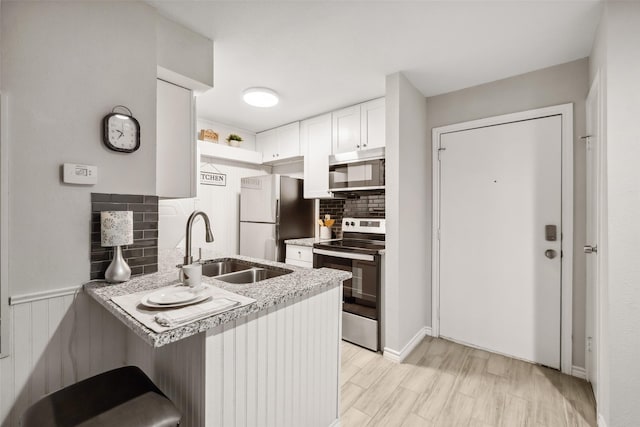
123,397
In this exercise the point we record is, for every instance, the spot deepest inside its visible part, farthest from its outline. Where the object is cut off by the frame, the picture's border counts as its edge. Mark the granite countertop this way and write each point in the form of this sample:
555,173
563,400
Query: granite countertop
267,293
309,241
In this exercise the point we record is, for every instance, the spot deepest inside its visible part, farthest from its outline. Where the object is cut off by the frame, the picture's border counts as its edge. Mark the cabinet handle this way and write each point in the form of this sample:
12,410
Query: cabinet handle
358,146
273,155
277,155
364,145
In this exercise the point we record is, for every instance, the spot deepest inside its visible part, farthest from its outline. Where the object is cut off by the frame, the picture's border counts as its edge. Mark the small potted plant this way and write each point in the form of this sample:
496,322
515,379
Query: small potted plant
234,140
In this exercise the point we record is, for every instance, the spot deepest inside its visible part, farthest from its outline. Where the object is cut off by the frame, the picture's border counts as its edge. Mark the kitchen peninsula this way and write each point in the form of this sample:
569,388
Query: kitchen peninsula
273,362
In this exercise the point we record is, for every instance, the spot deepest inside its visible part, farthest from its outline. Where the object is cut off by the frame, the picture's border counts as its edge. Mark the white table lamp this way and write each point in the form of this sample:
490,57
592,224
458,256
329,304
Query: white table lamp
117,230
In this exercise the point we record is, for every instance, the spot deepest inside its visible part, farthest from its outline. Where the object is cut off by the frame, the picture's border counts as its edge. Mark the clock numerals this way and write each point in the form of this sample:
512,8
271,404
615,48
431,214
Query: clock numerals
121,133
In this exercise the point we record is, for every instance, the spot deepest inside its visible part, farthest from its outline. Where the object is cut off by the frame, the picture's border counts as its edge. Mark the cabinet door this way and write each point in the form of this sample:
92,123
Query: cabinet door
346,129
288,141
176,149
267,144
373,124
315,137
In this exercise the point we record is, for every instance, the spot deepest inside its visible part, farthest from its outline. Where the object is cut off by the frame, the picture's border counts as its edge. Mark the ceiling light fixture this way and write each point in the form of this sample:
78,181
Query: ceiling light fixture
260,97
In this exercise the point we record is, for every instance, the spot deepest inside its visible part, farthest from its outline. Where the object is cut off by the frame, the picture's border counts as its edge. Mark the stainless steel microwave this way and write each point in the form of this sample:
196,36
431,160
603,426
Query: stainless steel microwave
357,171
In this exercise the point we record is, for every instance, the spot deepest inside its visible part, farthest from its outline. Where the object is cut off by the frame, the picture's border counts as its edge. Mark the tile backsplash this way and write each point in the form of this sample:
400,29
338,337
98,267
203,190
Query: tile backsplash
142,255
365,206
335,208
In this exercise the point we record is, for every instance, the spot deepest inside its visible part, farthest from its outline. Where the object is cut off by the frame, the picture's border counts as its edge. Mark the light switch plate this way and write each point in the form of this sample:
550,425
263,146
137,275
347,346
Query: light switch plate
80,174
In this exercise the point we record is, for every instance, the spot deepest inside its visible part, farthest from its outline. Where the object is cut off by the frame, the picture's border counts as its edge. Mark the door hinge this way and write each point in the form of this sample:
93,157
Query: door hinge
438,234
589,340
440,150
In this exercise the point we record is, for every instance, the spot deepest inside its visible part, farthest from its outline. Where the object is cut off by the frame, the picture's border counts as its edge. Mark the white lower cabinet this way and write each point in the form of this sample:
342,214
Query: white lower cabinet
315,139
301,256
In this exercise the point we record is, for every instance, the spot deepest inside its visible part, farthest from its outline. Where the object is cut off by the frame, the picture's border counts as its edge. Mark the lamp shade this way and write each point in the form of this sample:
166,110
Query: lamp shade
117,228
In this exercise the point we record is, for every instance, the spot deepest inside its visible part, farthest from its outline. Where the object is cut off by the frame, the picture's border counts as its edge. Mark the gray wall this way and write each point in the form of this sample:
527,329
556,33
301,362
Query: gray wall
408,213
65,65
551,86
618,60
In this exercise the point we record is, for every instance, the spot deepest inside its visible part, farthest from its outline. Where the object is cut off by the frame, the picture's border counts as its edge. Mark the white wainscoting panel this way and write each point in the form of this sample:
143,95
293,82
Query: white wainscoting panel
56,341
279,368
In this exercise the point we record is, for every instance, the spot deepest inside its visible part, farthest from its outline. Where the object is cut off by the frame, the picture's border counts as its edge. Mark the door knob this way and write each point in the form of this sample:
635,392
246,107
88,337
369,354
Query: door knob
550,253
588,249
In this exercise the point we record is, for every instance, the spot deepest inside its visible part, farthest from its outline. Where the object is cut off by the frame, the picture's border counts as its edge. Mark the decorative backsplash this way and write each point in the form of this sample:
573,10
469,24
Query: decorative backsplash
142,255
335,208
369,206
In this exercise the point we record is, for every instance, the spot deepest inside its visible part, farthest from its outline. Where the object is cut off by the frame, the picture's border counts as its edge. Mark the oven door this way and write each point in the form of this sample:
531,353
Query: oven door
360,294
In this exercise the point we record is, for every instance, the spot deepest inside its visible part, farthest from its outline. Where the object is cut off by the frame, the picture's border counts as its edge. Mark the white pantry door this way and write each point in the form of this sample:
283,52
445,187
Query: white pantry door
499,270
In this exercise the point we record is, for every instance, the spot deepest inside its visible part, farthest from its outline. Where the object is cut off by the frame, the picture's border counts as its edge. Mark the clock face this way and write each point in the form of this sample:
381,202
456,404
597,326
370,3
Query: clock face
121,133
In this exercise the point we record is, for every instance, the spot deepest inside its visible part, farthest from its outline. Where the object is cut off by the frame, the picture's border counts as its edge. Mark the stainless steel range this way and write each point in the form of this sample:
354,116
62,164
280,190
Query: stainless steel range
359,253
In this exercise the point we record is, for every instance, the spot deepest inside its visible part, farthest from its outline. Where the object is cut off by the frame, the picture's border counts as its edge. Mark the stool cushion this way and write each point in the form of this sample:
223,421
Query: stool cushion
122,397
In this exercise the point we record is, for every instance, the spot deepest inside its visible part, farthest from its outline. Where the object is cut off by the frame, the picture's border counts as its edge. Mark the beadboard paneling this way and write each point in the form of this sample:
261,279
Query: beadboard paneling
277,369
56,342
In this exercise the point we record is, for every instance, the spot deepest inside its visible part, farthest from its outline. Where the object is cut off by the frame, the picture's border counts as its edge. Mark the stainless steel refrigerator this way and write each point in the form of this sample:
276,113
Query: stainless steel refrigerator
272,210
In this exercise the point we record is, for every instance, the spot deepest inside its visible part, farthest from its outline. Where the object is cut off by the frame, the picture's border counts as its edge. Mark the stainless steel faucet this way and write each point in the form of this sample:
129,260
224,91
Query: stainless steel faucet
188,259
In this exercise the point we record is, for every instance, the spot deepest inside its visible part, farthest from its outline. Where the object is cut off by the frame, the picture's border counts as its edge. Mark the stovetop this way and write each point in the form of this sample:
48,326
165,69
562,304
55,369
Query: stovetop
354,244
364,235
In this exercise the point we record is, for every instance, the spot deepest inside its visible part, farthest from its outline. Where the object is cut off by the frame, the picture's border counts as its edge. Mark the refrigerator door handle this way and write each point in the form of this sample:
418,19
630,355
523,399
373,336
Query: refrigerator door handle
277,241
278,211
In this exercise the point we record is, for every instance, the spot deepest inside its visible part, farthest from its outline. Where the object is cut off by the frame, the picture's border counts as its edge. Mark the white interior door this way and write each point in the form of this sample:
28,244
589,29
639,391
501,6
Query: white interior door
500,271
593,198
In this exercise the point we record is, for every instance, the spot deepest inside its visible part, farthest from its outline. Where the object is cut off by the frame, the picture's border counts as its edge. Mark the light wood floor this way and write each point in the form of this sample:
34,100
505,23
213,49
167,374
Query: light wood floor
446,384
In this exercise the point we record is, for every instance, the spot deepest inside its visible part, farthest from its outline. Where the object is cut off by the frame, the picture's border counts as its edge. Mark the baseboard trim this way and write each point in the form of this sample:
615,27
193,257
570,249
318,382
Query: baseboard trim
579,372
601,421
399,356
37,296
335,423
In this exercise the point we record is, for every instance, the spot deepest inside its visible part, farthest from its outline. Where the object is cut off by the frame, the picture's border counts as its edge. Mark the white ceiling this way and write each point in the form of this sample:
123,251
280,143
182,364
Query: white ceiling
323,55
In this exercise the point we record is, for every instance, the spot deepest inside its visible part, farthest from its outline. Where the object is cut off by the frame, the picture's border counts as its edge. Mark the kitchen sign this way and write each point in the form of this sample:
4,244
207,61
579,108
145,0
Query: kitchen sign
213,178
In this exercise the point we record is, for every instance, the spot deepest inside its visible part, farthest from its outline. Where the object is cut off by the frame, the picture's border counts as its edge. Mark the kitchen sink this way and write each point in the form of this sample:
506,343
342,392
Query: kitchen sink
240,272
252,275
212,269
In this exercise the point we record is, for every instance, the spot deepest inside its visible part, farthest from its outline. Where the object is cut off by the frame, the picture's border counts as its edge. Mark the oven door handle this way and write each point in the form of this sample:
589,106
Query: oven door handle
348,255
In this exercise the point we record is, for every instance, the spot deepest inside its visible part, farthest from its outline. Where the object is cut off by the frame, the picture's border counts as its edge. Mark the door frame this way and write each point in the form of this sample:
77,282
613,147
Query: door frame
566,278
594,281
5,316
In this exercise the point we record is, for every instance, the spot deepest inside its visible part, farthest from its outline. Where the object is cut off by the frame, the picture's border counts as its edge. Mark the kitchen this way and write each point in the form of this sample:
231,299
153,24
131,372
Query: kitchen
52,115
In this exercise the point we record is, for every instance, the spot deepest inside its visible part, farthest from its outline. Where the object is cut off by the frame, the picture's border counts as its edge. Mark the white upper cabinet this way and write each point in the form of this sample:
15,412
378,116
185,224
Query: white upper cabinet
267,144
176,149
346,129
278,144
315,138
289,140
373,124
359,127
